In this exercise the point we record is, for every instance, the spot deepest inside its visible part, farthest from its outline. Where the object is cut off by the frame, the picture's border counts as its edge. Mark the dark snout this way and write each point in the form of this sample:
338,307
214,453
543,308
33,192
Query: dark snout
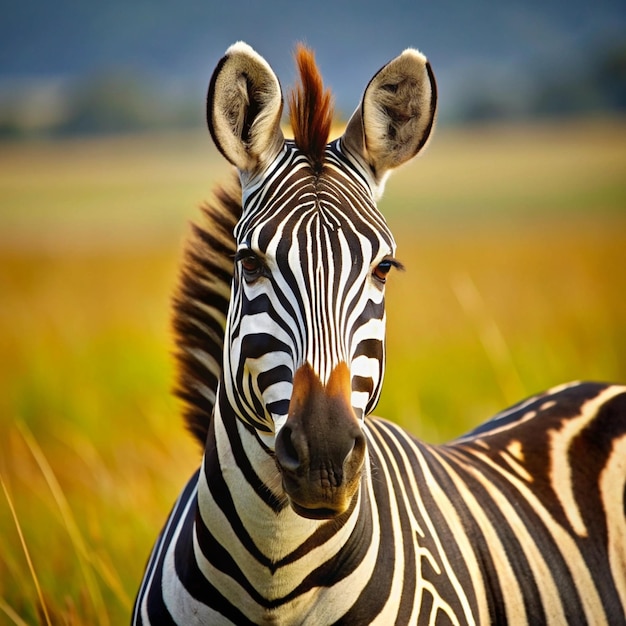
321,448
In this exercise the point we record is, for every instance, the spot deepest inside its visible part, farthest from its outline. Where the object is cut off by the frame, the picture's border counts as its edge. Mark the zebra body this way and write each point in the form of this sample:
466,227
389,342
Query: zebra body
304,510
433,533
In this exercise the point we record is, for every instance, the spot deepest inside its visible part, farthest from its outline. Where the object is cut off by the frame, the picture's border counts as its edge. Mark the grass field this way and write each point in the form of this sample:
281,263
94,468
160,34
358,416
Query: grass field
515,245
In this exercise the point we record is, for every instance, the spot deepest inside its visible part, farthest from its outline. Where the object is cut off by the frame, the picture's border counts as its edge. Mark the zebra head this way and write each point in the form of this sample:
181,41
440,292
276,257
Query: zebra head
304,339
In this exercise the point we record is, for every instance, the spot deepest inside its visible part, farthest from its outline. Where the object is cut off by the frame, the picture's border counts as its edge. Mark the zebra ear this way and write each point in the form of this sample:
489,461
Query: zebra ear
396,115
244,107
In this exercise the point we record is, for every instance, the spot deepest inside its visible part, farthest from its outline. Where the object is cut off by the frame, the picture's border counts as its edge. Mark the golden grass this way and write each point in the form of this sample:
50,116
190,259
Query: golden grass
42,603
515,244
488,314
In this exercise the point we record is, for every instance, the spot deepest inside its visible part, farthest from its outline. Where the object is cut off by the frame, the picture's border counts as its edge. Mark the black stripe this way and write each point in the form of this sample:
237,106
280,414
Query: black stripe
157,611
375,593
243,463
394,439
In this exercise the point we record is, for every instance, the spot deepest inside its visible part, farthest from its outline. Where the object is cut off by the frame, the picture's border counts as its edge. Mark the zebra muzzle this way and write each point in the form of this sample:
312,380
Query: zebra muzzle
321,448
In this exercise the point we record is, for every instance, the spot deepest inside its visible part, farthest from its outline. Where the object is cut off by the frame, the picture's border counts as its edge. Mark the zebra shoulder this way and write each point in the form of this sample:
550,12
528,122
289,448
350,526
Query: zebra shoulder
567,445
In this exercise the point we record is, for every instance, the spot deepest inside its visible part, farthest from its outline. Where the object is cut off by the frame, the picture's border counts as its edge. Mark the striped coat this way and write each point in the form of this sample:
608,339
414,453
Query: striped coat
305,510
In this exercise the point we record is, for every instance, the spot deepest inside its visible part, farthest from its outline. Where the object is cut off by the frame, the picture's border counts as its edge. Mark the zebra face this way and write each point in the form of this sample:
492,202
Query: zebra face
304,339
306,323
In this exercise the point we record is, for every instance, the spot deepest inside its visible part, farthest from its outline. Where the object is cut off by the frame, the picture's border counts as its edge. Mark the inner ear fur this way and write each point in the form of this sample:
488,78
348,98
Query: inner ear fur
396,114
244,107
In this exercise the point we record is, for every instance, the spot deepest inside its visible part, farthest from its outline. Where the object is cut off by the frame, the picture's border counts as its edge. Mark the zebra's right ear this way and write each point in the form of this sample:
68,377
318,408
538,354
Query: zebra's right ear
244,107
396,115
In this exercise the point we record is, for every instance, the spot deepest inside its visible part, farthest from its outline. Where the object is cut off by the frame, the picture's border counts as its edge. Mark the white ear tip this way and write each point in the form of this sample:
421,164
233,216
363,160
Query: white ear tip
241,47
416,54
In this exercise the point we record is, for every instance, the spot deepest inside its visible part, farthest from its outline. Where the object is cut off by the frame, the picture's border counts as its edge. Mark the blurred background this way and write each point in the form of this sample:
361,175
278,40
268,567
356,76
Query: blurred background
512,226
71,68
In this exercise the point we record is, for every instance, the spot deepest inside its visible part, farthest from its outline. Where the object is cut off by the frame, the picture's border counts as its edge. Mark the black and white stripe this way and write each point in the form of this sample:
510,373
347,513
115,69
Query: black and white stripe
304,510
316,239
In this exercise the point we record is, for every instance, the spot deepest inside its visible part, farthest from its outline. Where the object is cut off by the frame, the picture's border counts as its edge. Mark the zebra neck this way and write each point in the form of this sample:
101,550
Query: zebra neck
242,506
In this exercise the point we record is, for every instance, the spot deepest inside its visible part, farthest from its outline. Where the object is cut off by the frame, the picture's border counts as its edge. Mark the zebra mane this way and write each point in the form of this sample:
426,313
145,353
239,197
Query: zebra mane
310,108
200,305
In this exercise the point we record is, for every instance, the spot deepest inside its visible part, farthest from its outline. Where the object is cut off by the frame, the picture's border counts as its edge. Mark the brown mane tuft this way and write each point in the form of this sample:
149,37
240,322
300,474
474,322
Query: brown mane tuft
310,107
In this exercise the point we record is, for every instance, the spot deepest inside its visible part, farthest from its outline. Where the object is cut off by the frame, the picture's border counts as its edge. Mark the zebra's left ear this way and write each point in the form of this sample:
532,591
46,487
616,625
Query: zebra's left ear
244,105
396,115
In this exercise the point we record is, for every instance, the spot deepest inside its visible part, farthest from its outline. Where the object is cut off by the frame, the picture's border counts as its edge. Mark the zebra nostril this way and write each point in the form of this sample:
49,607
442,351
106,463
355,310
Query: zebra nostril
286,453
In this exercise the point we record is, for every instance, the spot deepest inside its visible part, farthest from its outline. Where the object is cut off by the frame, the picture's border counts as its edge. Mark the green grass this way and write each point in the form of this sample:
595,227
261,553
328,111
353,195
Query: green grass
515,245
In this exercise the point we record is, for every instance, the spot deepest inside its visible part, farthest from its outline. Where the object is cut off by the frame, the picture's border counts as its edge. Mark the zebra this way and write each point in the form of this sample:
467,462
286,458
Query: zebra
306,510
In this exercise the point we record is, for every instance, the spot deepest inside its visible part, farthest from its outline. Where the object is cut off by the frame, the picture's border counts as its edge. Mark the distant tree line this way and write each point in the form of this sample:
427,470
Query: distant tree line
115,101
597,86
122,101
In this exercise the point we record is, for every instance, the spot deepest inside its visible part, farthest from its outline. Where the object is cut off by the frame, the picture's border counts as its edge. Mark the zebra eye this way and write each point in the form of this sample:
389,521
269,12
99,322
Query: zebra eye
251,265
381,270
384,267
